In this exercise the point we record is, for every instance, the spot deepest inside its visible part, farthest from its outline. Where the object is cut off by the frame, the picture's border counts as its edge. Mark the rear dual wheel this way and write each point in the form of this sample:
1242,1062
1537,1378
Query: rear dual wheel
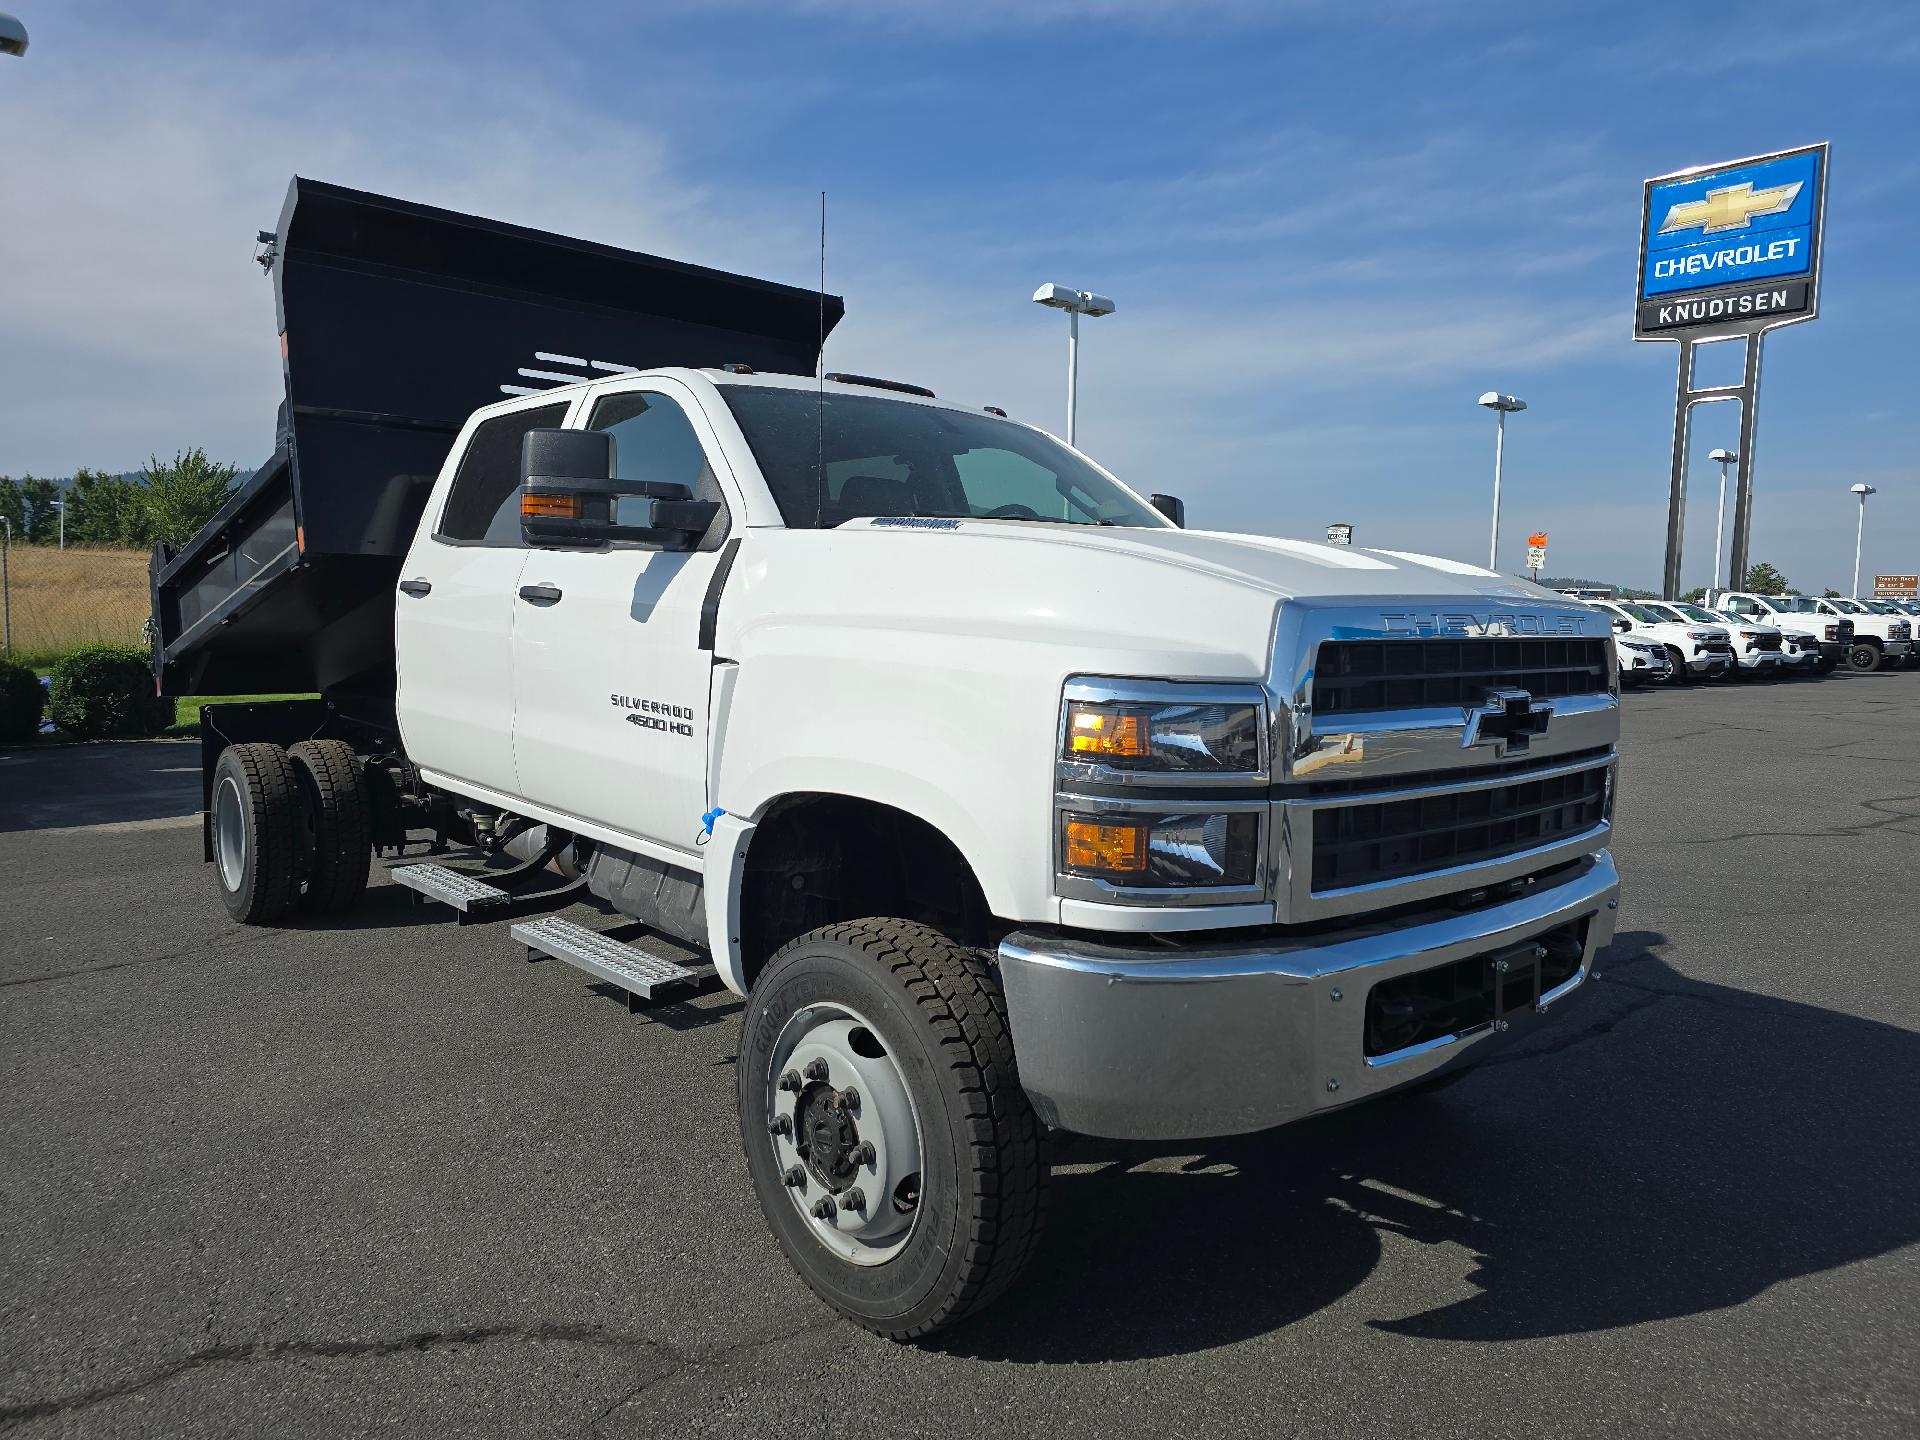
891,1147
290,828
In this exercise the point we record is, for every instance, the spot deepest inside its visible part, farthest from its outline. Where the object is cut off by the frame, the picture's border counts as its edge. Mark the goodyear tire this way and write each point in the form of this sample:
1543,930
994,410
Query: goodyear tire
1864,657
917,1201
336,814
255,832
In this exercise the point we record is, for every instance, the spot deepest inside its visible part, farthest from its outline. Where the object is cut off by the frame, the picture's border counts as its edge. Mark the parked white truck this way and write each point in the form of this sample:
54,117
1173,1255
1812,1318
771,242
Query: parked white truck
1695,651
1792,614
1007,804
1759,651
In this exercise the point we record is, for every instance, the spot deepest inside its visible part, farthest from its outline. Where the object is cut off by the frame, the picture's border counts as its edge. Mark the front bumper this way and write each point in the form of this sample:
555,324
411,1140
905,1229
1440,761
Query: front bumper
1162,1042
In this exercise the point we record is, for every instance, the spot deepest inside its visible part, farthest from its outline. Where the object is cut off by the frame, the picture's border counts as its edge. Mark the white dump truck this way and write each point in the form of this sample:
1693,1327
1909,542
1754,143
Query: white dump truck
1008,804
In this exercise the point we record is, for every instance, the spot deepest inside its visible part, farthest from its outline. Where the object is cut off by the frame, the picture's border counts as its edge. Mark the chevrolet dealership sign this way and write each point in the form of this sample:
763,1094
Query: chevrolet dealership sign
1733,248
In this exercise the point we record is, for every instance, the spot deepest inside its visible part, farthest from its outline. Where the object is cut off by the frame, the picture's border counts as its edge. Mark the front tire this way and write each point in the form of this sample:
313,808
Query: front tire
917,1025
256,832
1681,675
1864,657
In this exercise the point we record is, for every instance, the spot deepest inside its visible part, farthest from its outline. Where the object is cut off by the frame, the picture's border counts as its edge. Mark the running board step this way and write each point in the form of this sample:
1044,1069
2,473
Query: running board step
473,898
643,974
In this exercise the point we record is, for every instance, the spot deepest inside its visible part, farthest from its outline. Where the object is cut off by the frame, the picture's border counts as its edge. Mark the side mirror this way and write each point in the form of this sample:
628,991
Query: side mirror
1621,627
570,496
1171,506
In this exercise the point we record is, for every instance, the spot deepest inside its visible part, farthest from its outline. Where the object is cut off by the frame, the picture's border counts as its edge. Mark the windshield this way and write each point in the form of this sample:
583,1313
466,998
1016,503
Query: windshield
1850,607
1665,611
1694,612
897,458
1880,607
1791,604
1645,615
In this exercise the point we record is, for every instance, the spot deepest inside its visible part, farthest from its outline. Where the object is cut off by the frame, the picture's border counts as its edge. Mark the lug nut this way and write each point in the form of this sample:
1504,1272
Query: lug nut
794,1178
816,1070
791,1080
849,1099
853,1200
823,1209
780,1125
861,1154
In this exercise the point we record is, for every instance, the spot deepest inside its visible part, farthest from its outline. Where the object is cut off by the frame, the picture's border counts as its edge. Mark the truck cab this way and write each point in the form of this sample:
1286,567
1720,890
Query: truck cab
1894,615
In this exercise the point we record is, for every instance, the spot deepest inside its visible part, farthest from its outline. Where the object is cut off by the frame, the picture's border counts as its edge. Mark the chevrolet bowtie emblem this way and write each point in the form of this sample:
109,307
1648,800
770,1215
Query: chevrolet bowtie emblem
1732,207
1508,721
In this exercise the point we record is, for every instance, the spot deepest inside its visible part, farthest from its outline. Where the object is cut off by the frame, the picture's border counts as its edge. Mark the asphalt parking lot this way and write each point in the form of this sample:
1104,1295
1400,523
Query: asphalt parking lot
387,1176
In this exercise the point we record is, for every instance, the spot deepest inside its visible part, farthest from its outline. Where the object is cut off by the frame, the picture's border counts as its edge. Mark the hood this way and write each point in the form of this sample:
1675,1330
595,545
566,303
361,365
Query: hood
1085,599
1284,569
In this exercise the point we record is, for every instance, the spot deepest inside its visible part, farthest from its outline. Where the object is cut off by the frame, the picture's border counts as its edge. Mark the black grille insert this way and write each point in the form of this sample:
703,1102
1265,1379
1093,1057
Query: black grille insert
1396,839
1471,994
1351,676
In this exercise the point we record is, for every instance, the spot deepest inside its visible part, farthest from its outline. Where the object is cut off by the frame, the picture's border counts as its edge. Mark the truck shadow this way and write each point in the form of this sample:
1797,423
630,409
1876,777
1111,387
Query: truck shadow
1664,1148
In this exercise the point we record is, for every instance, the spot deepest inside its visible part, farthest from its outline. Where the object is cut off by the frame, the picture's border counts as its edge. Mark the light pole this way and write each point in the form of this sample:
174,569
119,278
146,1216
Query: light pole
1860,531
61,506
13,35
1726,458
1503,406
1076,303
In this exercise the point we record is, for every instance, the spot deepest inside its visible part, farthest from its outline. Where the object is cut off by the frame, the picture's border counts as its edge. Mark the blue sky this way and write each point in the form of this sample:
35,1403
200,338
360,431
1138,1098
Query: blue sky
1328,227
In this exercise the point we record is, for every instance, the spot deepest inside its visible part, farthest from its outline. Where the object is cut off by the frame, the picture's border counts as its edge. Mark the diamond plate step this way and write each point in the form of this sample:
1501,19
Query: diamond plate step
464,893
629,968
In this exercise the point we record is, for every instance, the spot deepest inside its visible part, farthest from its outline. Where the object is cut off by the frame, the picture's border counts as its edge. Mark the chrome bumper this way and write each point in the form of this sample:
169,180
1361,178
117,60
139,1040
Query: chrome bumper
1137,1042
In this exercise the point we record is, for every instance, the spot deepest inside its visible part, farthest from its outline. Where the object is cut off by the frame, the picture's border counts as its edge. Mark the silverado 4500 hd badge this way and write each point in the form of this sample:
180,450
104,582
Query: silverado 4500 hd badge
655,714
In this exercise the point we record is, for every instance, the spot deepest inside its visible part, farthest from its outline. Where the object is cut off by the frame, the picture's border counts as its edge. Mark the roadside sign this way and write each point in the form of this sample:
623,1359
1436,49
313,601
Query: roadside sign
1897,587
1731,248
1536,550
1339,534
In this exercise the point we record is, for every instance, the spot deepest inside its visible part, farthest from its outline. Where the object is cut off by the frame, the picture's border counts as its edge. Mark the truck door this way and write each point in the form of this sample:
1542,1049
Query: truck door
611,682
453,628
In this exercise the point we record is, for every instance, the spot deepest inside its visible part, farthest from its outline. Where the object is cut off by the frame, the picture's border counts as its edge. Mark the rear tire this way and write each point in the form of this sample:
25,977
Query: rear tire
1864,657
922,1249
256,832
337,811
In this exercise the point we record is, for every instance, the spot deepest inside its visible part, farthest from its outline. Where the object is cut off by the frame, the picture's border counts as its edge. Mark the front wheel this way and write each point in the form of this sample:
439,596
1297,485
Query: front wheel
892,1149
1681,675
1864,657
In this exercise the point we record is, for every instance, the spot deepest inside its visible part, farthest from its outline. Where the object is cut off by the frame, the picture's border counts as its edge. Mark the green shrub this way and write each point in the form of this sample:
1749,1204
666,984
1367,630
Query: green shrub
22,698
107,690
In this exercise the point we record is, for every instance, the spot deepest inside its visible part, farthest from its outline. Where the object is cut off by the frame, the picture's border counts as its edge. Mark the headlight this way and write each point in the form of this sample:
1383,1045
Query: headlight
1155,728
1162,851
1833,632
1700,634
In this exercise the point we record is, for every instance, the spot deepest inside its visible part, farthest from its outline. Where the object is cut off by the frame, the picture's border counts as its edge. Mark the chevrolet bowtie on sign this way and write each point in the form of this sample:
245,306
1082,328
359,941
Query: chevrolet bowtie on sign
1731,249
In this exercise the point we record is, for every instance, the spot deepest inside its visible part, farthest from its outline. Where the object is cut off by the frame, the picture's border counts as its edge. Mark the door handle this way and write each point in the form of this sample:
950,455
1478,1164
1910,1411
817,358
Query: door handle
415,587
548,593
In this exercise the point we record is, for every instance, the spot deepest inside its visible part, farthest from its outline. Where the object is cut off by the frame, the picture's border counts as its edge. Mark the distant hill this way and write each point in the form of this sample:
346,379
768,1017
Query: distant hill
1567,582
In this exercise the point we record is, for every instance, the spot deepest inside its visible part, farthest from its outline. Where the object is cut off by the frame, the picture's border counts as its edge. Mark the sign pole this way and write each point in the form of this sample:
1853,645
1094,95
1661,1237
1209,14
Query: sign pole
1743,467
1677,481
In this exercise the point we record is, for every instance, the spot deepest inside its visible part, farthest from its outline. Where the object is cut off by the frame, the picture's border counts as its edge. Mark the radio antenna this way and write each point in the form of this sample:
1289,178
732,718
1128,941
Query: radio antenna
820,410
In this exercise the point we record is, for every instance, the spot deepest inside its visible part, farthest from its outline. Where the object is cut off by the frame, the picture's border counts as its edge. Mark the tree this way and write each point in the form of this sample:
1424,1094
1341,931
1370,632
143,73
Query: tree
12,508
105,509
1763,579
43,513
1829,593
179,498
1695,595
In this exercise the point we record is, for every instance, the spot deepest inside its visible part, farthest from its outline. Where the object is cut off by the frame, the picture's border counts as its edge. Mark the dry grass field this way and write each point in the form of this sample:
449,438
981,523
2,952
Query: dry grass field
76,596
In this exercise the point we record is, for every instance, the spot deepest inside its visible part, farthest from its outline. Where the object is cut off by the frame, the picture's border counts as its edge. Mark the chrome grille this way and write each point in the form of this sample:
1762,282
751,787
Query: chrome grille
1355,677
1366,844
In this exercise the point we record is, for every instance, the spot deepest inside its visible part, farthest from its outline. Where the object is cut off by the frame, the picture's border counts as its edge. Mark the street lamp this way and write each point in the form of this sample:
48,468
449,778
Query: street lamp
1503,406
13,35
1860,531
1076,303
61,506
1726,458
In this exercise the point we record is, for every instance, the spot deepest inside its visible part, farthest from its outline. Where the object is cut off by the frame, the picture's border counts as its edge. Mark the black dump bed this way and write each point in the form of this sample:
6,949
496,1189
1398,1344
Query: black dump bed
397,321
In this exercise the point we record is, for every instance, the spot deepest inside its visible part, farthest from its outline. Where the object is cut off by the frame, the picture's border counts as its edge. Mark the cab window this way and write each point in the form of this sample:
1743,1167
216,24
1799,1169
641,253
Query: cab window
483,507
654,440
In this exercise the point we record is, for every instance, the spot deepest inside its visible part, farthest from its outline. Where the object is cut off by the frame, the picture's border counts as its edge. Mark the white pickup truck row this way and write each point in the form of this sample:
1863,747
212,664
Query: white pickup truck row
1744,635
